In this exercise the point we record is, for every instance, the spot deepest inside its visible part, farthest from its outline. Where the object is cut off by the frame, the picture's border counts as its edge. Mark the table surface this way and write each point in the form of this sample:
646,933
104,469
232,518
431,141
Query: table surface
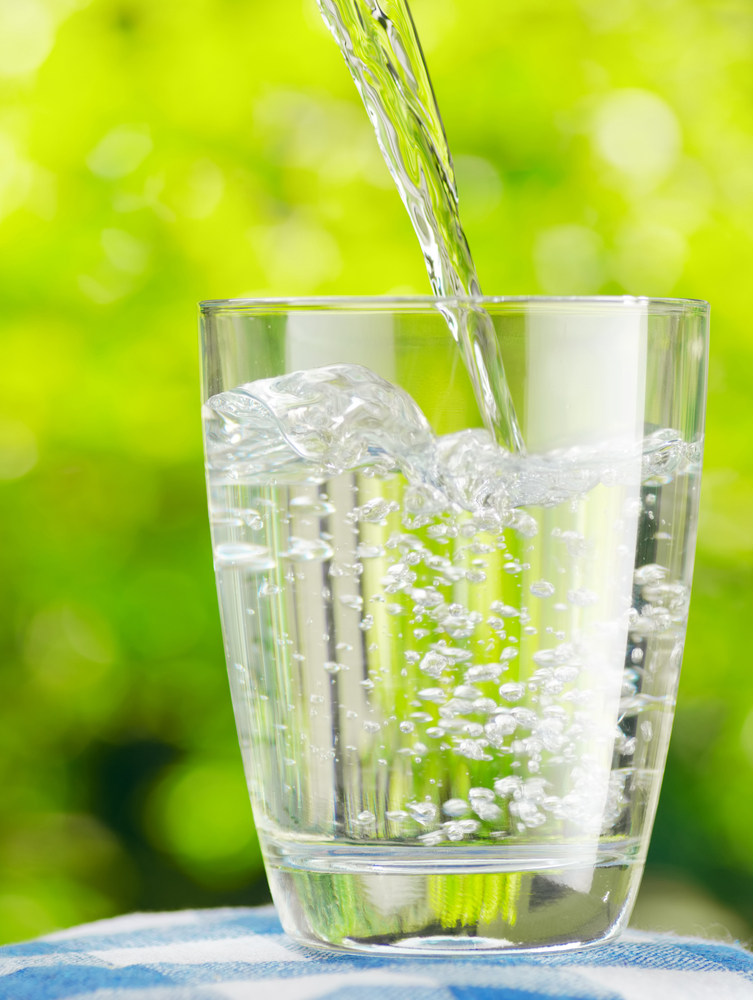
242,954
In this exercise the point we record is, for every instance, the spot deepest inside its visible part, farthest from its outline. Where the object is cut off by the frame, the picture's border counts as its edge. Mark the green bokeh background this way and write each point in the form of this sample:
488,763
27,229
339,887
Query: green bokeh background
155,152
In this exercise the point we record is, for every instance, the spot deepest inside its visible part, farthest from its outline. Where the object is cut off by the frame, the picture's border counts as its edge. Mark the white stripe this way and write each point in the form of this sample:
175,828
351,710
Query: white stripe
668,984
129,923
310,987
133,922
256,948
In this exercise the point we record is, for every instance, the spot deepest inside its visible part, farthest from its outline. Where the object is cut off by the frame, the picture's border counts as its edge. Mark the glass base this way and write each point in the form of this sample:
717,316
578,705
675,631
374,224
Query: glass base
441,907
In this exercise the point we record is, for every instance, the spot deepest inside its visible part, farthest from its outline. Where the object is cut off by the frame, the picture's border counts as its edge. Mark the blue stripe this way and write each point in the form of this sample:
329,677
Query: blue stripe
470,977
675,955
509,993
393,991
59,982
205,930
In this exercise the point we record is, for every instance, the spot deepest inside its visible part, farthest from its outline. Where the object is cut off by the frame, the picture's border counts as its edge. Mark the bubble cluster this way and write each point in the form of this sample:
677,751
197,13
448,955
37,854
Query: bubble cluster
453,650
311,425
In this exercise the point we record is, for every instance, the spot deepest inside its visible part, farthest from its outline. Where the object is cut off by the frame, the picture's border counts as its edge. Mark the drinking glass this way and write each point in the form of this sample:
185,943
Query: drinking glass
453,669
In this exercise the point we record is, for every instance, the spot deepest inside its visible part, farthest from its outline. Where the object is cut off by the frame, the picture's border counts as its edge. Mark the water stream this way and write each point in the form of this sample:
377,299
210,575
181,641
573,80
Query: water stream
379,42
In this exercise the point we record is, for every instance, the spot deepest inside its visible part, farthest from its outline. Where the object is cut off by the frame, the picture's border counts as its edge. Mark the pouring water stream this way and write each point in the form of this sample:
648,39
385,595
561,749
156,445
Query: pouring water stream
380,44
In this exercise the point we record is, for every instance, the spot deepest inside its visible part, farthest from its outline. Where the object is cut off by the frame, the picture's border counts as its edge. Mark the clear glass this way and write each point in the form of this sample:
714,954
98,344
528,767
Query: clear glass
453,669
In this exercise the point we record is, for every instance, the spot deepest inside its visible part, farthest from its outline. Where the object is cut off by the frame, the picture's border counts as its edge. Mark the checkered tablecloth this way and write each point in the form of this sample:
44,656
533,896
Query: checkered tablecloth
242,954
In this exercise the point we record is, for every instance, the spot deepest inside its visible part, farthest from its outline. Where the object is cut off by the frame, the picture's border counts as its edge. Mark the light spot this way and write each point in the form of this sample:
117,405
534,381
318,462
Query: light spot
479,186
27,35
124,251
650,259
120,152
297,256
204,190
69,648
201,815
569,260
16,176
103,292
18,449
638,134
605,17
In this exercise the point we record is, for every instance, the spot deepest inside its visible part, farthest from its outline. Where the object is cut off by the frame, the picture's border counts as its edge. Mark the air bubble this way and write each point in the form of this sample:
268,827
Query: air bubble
434,664
432,694
432,839
374,511
524,524
502,727
353,601
512,691
582,597
369,551
467,691
421,716
396,815
479,794
455,807
452,653
424,813
566,674
307,550
505,787
242,555
487,811
505,610
650,574
473,750
484,672
575,543
307,505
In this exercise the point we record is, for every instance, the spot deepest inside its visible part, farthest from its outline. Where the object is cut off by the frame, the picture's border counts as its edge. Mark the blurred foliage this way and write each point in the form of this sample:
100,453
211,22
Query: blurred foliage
155,152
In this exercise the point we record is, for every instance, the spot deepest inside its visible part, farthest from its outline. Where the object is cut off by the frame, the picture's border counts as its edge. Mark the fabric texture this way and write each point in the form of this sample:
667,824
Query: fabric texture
242,954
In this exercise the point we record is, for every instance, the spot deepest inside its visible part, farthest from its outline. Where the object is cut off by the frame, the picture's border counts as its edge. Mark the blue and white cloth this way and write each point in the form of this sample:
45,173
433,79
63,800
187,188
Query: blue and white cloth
242,954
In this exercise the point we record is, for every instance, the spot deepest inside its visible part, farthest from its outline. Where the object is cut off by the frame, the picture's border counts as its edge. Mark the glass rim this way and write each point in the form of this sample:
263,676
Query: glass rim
387,303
